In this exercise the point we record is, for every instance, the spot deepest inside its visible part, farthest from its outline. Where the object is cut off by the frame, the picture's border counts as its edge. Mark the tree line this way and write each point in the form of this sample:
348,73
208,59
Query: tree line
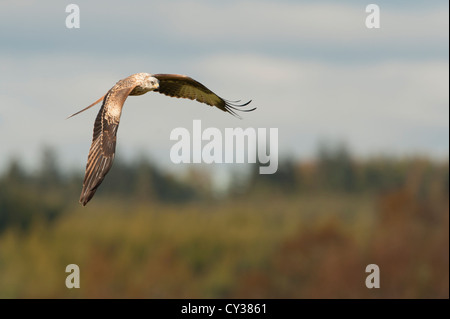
48,191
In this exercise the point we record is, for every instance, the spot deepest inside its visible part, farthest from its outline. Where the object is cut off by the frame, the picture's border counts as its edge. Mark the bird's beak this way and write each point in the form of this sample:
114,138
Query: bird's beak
157,85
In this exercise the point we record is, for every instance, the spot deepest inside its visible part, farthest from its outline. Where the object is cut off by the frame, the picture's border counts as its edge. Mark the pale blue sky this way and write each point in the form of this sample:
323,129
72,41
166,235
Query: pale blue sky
311,67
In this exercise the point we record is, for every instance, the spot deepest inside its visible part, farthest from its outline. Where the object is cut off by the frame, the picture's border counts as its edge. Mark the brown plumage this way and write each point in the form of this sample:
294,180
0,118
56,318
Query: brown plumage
101,153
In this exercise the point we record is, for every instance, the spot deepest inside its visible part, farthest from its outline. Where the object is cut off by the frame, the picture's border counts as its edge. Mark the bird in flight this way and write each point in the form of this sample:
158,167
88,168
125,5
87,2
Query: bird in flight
101,153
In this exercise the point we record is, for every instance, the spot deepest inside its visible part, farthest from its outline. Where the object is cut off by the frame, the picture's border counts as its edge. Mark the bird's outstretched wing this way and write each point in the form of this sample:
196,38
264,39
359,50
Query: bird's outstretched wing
182,86
101,153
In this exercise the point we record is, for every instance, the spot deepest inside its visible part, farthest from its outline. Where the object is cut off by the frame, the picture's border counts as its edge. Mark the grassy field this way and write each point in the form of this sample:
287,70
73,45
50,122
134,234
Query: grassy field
302,245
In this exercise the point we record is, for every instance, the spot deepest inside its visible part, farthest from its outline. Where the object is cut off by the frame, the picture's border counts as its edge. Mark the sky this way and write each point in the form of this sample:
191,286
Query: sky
312,68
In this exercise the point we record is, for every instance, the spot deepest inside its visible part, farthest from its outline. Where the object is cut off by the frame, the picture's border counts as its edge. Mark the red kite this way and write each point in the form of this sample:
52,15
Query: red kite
101,153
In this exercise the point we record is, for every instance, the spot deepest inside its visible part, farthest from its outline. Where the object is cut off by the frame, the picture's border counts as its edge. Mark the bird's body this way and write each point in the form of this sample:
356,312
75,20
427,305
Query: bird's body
101,153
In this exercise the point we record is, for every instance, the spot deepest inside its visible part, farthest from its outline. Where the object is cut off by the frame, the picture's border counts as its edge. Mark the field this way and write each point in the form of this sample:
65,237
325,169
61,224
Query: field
265,242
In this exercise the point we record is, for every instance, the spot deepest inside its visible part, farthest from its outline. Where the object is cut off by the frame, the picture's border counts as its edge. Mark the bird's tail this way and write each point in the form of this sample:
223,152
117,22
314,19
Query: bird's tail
100,99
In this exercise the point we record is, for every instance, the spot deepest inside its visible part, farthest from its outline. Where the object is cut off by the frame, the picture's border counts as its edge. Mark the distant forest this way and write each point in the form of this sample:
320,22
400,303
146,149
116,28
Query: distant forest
47,192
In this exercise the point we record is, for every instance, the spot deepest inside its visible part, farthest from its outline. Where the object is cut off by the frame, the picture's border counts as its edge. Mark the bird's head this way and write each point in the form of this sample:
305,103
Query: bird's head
151,82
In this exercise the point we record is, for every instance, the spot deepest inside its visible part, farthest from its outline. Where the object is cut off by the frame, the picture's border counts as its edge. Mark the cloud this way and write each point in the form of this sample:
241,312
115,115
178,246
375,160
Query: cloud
372,106
313,70
325,30
297,21
396,106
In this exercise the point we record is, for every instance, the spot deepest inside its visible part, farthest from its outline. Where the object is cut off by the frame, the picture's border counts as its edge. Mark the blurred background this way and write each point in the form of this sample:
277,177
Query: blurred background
362,117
